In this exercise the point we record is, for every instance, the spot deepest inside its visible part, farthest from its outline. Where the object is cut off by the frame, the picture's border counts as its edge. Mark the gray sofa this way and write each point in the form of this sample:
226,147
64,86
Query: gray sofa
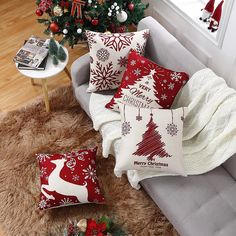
202,205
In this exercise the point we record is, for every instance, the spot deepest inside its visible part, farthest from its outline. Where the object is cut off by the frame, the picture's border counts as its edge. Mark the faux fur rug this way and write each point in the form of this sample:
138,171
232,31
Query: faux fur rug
31,130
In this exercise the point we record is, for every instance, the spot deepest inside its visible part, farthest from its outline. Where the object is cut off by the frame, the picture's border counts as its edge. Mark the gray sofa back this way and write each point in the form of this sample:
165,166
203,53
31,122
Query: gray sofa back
164,49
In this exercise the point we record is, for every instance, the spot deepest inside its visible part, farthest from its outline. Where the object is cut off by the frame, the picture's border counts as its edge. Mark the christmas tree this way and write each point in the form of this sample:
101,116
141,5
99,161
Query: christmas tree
151,144
71,18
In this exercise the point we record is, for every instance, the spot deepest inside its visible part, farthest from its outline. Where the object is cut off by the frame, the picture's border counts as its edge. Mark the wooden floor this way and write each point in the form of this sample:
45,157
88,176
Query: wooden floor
18,22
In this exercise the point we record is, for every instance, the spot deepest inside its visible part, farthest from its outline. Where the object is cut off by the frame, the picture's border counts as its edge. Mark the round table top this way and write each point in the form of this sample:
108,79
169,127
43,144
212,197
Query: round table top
50,70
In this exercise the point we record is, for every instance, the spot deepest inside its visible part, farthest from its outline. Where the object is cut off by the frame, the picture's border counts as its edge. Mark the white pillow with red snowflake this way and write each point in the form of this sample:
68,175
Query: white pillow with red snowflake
151,140
148,85
109,56
69,179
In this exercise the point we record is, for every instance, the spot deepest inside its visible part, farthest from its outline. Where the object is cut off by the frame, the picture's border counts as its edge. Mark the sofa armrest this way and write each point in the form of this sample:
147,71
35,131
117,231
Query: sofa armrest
80,70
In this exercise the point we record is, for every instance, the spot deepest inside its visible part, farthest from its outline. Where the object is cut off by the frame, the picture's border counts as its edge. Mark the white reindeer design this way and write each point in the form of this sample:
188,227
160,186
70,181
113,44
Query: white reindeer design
56,183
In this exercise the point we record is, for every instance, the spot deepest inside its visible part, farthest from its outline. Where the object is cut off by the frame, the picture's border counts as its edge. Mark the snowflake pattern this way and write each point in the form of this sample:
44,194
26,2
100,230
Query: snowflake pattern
104,77
126,127
172,129
140,49
137,72
171,86
90,173
65,202
90,38
163,97
43,171
122,61
75,178
176,76
145,35
117,41
133,63
71,163
42,157
103,54
43,204
97,190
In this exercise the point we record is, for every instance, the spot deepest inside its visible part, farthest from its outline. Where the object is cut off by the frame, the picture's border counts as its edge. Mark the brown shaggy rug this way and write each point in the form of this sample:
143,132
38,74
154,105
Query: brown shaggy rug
31,130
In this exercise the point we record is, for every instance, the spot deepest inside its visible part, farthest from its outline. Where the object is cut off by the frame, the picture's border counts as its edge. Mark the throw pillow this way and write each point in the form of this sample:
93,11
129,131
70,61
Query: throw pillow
109,56
68,179
147,85
151,140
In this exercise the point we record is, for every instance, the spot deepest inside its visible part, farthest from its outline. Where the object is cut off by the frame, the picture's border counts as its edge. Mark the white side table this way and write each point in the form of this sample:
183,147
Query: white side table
43,75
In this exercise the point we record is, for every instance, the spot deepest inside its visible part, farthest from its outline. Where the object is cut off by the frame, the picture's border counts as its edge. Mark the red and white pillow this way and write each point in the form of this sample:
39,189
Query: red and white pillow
151,140
147,85
69,179
109,56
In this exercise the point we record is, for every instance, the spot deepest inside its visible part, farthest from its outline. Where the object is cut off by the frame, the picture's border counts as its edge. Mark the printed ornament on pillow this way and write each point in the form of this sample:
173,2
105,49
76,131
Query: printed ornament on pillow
147,85
68,179
109,56
153,138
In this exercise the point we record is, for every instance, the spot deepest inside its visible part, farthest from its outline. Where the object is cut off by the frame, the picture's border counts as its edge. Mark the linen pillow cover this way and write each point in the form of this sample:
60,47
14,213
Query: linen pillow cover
68,179
151,140
109,56
147,85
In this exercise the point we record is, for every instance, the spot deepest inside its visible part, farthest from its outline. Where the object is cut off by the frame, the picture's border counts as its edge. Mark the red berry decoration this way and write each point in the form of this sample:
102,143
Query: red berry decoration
39,12
54,27
131,6
95,22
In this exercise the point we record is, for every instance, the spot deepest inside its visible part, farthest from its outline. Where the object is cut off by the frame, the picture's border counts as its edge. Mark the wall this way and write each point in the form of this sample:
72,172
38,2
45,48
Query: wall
221,59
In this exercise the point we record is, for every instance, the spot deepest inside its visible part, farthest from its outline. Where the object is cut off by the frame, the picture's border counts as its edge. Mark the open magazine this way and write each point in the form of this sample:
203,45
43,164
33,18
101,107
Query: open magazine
32,52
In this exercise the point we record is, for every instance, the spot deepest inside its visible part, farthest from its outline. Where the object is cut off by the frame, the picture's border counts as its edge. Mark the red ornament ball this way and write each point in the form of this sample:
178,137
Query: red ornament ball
131,6
54,27
39,12
121,29
95,22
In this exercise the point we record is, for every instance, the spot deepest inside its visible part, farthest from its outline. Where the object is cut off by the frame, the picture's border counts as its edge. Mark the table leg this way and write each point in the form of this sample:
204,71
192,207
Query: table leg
45,93
32,81
67,72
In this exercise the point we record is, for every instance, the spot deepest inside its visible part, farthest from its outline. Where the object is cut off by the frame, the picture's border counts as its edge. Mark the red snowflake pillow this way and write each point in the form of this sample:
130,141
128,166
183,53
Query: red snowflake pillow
109,56
147,85
68,179
154,138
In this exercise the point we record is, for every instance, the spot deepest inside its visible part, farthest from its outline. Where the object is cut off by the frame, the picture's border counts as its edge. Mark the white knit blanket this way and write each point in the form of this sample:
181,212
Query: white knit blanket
209,135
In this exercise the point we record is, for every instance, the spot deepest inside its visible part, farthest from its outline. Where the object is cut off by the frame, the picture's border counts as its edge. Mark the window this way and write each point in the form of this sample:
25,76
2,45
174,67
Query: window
191,11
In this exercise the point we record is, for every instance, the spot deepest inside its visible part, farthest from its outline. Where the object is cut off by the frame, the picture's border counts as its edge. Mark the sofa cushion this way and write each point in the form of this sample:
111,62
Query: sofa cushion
230,166
68,179
154,138
197,205
109,54
148,85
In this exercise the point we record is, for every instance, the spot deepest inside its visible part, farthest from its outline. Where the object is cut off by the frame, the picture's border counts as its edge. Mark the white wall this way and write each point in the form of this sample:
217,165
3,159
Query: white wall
221,59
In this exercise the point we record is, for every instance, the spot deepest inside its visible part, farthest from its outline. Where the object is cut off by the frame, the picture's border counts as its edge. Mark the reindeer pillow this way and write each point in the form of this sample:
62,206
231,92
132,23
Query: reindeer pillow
151,140
68,179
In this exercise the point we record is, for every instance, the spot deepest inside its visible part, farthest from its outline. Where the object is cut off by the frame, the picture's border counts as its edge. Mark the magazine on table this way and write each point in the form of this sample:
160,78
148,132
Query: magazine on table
33,52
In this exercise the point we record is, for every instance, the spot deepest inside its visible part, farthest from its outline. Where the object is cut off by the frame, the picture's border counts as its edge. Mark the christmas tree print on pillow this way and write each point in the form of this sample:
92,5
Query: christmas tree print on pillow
68,179
109,53
147,85
151,144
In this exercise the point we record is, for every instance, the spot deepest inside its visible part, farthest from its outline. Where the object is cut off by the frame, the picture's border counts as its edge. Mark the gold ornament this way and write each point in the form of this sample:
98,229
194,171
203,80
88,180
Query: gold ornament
82,225
66,10
101,1
57,11
107,32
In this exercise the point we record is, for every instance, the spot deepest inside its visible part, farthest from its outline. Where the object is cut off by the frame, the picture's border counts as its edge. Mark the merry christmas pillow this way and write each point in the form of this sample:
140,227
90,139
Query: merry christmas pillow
68,179
109,57
151,140
147,85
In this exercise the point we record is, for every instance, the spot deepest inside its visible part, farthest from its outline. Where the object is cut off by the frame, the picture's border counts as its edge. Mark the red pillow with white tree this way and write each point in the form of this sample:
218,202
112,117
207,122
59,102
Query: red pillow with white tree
147,85
69,179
